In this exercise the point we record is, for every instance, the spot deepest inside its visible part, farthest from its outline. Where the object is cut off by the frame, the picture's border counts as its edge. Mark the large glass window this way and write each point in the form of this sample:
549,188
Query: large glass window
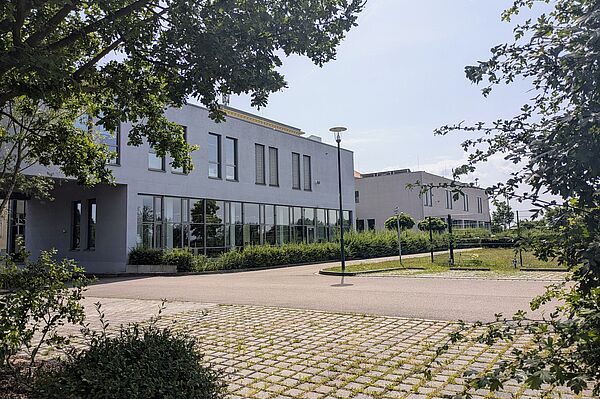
214,156
273,166
150,221
231,158
215,224
259,163
91,227
283,224
174,236
333,223
76,226
321,225
251,224
234,221
268,216
309,225
307,173
295,171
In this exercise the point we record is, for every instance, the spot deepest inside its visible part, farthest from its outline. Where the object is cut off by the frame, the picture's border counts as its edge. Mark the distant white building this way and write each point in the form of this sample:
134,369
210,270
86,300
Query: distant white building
378,194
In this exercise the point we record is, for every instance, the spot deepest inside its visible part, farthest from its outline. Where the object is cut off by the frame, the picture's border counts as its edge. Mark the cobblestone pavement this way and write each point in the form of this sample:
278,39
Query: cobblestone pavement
269,352
475,275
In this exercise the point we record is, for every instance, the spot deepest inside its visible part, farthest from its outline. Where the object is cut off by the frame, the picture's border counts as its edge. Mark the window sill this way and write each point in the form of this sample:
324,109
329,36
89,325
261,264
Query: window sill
157,170
179,173
214,178
260,184
273,185
233,180
309,190
296,188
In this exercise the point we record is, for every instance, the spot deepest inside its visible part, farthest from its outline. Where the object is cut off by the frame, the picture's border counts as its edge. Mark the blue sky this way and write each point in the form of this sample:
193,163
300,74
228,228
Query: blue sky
399,75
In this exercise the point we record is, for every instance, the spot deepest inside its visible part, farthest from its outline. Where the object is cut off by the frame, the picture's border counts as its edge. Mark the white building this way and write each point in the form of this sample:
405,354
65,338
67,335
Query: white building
378,194
255,181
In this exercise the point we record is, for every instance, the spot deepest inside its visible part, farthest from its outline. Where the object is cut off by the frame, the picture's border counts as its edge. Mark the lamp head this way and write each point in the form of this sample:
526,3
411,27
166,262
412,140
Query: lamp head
336,131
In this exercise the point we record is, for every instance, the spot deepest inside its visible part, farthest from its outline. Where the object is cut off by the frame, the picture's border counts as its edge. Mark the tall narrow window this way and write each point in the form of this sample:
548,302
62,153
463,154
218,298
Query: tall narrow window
91,226
259,163
273,166
428,198
231,159
357,198
295,171
307,173
214,156
76,226
180,169
111,141
465,202
155,162
449,199
479,205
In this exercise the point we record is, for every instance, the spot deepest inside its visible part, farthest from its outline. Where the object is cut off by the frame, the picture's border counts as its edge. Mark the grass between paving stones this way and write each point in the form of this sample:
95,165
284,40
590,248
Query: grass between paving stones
498,260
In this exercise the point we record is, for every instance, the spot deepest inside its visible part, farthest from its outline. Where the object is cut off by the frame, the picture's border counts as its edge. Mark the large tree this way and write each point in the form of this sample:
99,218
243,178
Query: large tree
556,139
127,60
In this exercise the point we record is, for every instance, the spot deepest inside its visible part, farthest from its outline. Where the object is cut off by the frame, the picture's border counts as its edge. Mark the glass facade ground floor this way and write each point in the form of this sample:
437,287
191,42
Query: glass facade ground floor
209,226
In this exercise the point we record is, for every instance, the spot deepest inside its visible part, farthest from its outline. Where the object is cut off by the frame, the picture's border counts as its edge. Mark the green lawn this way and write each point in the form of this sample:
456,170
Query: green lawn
497,259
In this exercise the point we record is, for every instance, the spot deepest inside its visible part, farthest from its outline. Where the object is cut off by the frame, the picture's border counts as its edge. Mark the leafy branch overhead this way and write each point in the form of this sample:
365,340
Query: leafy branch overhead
127,60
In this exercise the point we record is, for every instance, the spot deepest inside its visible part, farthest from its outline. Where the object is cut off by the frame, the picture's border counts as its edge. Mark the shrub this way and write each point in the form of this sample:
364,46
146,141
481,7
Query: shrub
406,222
138,363
182,258
145,256
41,288
437,225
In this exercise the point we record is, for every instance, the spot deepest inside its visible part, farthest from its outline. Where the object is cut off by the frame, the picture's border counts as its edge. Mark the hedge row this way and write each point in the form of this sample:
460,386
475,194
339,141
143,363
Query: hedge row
357,245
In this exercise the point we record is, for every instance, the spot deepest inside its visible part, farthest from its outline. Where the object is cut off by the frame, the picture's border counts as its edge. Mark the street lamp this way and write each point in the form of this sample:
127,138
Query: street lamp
397,213
336,131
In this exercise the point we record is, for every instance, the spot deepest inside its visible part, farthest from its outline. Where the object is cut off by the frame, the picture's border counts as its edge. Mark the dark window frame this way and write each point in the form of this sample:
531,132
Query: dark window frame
92,224
260,149
307,180
235,159
274,174
76,206
296,177
219,161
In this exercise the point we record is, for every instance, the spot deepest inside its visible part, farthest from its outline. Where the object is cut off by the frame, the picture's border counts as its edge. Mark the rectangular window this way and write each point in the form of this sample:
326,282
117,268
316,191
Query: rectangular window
465,202
428,197
295,171
357,199
91,227
259,163
180,169
214,156
360,225
449,199
76,226
479,205
273,166
231,159
307,173
112,141
371,224
155,162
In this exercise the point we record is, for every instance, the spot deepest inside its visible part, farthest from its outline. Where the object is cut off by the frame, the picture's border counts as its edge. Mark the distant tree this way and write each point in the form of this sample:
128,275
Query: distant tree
503,216
438,225
406,222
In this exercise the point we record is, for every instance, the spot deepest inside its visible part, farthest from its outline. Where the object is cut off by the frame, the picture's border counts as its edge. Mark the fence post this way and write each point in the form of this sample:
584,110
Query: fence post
519,240
430,239
450,240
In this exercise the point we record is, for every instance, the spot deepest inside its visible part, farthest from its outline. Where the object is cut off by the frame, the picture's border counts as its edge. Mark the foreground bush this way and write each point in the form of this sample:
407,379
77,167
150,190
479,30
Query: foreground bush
140,363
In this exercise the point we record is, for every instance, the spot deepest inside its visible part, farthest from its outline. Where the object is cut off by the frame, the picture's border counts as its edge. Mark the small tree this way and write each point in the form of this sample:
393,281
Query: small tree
503,216
406,222
438,225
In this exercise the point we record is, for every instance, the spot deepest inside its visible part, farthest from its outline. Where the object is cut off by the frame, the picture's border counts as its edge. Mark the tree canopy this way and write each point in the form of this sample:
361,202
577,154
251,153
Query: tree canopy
556,138
437,225
127,60
503,216
405,220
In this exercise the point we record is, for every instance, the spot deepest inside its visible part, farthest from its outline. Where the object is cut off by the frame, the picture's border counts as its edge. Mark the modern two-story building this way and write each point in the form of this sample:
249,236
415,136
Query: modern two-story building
378,194
255,181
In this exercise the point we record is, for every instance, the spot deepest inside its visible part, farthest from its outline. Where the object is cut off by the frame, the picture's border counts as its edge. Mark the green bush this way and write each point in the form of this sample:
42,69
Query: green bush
182,258
139,363
405,220
145,256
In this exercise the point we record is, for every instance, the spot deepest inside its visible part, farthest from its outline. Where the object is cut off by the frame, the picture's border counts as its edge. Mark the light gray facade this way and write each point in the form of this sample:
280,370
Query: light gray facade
378,194
118,209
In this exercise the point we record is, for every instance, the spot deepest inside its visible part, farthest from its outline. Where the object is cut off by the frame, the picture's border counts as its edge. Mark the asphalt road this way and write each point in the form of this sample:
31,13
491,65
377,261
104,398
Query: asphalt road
301,287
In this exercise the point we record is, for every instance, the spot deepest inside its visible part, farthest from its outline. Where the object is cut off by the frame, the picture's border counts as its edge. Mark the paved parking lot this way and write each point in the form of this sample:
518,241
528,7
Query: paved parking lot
269,352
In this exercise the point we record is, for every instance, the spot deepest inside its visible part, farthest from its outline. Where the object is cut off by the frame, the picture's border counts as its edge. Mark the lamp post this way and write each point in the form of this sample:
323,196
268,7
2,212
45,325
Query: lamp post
397,213
336,131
